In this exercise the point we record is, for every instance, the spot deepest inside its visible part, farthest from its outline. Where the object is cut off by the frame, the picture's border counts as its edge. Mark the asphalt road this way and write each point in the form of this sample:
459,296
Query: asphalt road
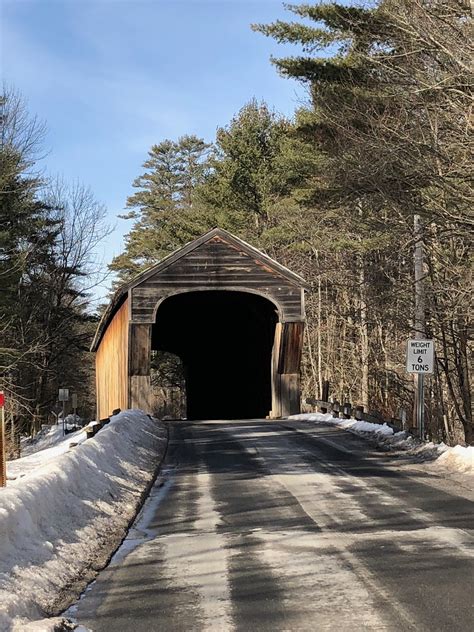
266,526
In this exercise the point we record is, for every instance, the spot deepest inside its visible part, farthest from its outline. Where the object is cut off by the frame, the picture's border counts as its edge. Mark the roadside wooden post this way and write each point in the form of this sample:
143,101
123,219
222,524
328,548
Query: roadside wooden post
325,396
12,433
347,410
335,409
90,431
358,412
3,458
325,393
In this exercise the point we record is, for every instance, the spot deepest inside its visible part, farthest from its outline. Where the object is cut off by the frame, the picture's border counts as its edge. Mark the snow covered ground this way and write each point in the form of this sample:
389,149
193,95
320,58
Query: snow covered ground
65,510
47,446
458,459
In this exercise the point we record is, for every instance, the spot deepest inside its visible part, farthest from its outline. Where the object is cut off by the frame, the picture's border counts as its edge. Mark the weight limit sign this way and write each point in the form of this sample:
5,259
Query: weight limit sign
420,356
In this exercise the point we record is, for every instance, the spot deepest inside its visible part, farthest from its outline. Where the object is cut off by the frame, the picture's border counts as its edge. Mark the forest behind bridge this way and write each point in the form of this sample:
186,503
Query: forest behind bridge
384,136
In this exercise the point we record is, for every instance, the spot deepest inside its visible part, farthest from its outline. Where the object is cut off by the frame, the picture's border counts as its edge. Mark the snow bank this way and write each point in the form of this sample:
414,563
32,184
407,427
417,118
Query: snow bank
51,444
348,424
47,437
61,519
457,459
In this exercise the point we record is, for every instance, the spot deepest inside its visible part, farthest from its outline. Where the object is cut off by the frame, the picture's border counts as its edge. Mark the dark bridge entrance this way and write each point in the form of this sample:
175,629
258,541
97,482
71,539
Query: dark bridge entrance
232,314
225,341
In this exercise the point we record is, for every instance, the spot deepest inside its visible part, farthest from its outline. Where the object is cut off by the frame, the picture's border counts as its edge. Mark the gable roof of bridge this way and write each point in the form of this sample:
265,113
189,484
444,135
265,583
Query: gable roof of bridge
216,234
225,236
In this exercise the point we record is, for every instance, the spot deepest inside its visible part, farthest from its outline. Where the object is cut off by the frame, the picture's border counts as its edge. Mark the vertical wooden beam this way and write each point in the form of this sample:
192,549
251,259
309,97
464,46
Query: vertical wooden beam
291,347
276,384
139,366
286,359
290,394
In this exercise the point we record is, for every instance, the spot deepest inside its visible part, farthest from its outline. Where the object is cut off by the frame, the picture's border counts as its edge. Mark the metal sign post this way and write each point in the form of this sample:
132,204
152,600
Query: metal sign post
420,406
3,458
64,397
420,361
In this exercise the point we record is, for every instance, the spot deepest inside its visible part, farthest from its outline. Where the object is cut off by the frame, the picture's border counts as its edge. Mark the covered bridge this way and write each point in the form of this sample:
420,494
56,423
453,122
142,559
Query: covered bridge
234,316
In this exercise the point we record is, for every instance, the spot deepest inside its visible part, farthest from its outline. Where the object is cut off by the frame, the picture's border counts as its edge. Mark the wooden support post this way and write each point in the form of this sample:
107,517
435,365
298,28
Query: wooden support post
325,393
139,366
276,384
325,396
358,412
287,349
290,394
347,410
335,409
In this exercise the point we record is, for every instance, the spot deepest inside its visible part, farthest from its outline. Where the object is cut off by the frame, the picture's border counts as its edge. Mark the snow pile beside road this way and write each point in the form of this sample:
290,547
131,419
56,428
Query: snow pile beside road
348,424
365,426
64,517
457,458
47,437
48,448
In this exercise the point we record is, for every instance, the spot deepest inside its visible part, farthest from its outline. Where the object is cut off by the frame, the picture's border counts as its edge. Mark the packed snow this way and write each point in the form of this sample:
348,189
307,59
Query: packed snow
456,459
47,437
65,510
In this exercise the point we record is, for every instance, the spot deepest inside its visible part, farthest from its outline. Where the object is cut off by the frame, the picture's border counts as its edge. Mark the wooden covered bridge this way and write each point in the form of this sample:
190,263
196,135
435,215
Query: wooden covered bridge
235,318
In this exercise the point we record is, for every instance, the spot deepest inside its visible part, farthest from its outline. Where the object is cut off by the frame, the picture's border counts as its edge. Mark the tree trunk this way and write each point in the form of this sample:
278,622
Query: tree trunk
364,338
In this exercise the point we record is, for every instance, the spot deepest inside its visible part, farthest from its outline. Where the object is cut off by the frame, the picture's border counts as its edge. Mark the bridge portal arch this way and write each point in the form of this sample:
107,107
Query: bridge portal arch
225,341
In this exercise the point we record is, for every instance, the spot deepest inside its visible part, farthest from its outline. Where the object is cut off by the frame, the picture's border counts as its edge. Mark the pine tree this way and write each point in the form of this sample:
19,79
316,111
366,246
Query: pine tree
164,203
247,172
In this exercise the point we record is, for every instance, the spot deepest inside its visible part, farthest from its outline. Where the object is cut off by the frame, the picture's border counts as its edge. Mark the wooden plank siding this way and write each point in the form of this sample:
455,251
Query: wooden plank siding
291,347
112,364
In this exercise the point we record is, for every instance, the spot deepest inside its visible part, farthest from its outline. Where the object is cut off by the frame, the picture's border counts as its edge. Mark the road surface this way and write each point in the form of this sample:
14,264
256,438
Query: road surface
287,526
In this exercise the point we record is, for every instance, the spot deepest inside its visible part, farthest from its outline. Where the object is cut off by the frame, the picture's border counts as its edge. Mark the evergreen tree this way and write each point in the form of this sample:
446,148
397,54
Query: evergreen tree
164,203
246,171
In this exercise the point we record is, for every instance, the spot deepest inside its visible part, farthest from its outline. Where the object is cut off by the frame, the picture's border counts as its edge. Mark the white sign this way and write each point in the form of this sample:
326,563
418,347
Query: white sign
420,356
63,394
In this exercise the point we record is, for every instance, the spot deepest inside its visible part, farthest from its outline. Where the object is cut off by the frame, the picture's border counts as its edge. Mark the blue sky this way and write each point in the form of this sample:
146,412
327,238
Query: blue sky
112,77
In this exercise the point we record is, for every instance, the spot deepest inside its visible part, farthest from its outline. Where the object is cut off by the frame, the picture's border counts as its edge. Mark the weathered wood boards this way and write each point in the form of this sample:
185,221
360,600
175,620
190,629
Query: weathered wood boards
139,370
286,360
112,364
217,261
